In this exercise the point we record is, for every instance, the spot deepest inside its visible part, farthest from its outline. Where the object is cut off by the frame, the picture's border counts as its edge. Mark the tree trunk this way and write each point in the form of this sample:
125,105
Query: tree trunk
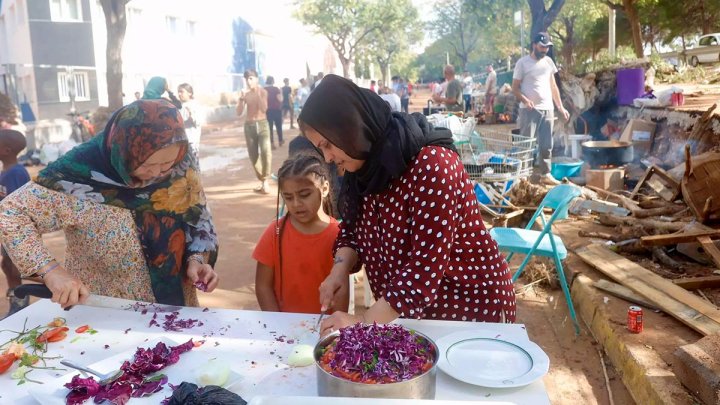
541,18
383,72
116,22
345,62
634,19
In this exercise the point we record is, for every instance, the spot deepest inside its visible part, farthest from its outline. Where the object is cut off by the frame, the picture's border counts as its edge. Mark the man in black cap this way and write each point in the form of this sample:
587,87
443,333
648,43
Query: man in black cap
534,86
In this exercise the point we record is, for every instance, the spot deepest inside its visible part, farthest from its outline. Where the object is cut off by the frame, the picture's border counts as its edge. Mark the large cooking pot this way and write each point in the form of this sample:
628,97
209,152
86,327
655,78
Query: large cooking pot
420,387
607,153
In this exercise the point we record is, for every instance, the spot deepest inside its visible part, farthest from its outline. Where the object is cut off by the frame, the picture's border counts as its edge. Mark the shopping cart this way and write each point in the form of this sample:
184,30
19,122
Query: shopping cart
495,161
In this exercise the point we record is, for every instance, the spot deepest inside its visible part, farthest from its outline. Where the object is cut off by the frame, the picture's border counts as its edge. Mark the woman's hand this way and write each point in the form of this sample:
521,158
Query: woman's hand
67,289
338,320
204,273
333,289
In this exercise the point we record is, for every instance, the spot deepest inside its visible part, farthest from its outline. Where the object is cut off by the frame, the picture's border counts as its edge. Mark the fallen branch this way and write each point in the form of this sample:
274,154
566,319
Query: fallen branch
626,202
632,246
650,224
662,257
607,379
599,235
656,212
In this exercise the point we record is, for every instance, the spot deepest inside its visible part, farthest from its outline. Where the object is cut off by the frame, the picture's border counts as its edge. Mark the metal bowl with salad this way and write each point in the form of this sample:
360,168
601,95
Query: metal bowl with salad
376,361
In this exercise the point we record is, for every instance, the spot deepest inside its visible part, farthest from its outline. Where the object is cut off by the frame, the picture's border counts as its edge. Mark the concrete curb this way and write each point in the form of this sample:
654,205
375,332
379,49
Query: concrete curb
646,376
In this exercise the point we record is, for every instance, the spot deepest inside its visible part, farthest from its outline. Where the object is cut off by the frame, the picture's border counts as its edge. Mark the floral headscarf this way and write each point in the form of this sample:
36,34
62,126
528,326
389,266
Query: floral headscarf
171,215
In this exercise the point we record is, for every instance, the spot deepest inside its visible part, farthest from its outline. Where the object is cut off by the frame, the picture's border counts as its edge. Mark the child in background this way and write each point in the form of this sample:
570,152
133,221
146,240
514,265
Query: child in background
12,177
294,254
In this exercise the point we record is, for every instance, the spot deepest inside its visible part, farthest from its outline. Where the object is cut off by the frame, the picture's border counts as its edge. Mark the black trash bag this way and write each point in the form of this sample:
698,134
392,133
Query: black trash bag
189,394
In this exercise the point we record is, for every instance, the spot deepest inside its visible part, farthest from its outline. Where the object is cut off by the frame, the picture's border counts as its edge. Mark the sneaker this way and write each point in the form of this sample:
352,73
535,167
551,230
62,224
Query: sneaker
16,304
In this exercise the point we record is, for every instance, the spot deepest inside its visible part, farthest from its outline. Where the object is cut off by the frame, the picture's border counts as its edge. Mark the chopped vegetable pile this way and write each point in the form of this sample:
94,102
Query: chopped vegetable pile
175,324
134,381
377,354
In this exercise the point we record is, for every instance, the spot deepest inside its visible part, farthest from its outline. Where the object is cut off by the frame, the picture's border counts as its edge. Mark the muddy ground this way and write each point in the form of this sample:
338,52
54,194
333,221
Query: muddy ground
576,374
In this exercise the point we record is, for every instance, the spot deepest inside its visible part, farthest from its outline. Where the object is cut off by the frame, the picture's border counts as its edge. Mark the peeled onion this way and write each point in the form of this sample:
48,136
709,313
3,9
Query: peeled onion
301,356
214,372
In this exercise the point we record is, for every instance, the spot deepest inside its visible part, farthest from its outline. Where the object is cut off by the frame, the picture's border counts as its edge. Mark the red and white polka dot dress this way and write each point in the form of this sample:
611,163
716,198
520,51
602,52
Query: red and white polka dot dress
426,249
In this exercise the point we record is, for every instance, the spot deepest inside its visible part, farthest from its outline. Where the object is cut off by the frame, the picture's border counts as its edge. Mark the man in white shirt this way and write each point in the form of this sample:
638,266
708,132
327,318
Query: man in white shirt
302,93
490,90
391,98
534,86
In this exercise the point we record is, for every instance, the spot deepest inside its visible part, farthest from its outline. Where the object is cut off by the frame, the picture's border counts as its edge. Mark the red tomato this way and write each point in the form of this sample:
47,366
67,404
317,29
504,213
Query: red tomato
45,337
82,329
6,360
57,337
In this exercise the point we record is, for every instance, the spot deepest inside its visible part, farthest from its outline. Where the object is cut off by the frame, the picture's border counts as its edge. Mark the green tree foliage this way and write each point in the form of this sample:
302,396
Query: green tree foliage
348,24
543,16
391,45
574,27
459,24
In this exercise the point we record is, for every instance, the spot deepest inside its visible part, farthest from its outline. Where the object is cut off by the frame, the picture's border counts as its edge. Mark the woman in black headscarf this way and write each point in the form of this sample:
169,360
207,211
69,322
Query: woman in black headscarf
409,214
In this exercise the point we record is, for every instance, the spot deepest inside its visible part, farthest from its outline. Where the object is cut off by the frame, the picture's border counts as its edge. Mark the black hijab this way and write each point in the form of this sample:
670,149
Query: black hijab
361,123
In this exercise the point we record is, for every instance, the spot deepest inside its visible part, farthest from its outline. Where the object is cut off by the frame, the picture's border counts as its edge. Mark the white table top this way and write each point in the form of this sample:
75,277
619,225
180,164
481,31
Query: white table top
249,340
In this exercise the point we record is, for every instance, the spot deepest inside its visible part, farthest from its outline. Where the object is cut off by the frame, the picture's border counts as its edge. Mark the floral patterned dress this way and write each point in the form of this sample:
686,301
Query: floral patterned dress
103,248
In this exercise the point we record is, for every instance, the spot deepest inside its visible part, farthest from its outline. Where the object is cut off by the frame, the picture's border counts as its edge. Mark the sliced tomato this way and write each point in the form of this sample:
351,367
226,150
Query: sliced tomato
82,329
45,337
57,337
6,360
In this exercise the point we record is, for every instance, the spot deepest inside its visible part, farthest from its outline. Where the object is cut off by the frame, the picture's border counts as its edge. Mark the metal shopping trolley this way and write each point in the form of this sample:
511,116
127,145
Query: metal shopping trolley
495,161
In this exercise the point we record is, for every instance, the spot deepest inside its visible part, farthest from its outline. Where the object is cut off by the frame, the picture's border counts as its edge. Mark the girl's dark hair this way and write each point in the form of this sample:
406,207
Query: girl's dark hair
303,164
270,81
187,87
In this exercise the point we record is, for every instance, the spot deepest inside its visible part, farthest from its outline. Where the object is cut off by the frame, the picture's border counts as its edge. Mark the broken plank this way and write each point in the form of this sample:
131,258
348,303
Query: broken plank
624,293
695,283
683,305
710,248
675,238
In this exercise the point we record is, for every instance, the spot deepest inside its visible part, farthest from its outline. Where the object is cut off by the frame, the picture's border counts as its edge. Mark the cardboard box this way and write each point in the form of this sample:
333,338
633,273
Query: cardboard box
606,179
641,133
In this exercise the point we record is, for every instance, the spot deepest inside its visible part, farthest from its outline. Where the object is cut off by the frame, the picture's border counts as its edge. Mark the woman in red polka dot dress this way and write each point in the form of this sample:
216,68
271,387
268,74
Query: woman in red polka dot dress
409,214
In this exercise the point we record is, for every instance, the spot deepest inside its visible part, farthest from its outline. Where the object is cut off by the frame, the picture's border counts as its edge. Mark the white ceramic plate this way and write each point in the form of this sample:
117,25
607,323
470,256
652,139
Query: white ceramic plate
54,391
299,400
490,359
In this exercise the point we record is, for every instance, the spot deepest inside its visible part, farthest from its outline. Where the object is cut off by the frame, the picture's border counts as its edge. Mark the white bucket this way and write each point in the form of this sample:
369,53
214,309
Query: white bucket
575,141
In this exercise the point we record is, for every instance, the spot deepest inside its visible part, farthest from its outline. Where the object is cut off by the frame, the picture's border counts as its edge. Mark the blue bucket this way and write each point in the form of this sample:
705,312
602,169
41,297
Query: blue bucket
562,169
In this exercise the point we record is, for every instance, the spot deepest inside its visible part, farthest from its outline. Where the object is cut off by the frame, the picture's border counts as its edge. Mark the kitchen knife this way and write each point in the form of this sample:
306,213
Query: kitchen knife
100,301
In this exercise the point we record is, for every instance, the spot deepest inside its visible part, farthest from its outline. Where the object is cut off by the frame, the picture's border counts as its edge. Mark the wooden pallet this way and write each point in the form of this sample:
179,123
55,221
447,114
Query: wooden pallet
701,186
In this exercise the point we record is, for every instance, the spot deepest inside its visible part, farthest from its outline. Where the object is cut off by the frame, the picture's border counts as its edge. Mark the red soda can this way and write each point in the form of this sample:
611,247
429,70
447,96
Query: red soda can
635,319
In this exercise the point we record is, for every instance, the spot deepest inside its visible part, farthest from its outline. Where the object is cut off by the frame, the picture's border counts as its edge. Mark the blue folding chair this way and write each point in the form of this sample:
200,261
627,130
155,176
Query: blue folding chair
542,243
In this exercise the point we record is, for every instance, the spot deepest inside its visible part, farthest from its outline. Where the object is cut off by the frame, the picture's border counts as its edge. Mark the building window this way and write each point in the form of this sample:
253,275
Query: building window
171,24
73,83
250,38
65,10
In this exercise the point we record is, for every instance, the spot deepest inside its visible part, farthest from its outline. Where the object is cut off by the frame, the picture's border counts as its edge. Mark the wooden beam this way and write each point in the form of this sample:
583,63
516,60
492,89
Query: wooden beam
623,292
675,238
681,304
710,249
695,283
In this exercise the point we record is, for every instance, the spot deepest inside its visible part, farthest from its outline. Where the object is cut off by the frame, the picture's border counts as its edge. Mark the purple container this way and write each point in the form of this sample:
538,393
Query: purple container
630,85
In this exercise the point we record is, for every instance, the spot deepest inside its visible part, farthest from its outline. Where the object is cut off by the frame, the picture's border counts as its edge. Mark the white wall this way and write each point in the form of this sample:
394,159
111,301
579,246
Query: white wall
15,48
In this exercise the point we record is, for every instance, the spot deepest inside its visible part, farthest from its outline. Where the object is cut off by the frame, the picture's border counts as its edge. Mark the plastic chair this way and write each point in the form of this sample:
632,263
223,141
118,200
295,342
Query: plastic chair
542,243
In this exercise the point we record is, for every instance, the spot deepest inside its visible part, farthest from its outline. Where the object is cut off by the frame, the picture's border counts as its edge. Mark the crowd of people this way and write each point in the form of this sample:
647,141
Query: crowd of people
366,185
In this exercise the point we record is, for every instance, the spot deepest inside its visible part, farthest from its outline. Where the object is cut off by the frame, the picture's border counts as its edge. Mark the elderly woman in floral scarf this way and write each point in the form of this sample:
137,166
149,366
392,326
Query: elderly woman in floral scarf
132,209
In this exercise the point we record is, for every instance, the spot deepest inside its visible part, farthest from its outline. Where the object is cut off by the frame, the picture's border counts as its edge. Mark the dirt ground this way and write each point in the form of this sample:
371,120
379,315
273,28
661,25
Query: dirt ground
576,374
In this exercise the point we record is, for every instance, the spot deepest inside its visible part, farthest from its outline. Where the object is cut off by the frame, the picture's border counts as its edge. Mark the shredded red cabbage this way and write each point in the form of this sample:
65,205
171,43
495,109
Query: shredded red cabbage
134,381
379,353
173,323
200,285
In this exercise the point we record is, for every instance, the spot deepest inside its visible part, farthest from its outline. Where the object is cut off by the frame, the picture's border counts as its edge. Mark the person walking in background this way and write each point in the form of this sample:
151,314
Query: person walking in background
12,177
373,86
274,110
404,95
302,93
452,98
257,131
193,117
490,90
467,90
317,81
287,102
534,86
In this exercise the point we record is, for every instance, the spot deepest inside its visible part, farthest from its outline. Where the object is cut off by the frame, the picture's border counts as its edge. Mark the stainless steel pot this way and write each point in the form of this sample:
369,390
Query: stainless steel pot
420,387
